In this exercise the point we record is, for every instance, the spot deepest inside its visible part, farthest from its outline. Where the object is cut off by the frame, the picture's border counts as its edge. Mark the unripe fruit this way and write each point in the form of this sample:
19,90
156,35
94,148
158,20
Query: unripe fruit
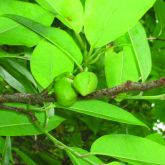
64,92
85,83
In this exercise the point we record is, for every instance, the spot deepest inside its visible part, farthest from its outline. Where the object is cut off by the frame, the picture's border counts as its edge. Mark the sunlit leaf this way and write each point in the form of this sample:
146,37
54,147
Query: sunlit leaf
11,80
70,12
120,67
11,122
106,20
63,50
105,111
9,29
141,50
132,149
53,63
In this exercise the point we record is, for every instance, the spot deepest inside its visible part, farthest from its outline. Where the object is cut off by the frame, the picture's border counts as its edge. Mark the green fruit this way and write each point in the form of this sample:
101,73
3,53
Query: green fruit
64,92
85,83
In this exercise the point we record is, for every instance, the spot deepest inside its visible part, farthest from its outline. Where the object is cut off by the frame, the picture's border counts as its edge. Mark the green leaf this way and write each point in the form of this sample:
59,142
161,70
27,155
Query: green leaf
11,122
105,111
159,8
106,20
61,39
157,138
11,80
57,37
132,149
70,12
78,161
115,163
132,61
6,151
23,70
120,67
61,53
26,159
16,76
53,63
2,144
141,49
9,29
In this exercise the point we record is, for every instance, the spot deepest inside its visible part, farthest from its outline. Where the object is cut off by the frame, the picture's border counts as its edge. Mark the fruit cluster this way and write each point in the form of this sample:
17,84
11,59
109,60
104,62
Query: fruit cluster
67,90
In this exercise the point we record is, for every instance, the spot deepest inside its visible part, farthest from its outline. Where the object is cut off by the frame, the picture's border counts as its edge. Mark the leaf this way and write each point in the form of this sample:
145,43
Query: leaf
115,163
2,144
16,75
56,36
141,49
105,111
9,29
11,80
78,161
132,149
132,61
120,67
23,70
11,122
70,12
16,65
107,20
53,63
159,8
26,159
157,138
6,152
64,49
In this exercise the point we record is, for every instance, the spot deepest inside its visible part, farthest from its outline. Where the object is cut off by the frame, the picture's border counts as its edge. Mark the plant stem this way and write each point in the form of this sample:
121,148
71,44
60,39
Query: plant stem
88,55
95,53
90,51
18,57
96,58
156,97
155,38
80,40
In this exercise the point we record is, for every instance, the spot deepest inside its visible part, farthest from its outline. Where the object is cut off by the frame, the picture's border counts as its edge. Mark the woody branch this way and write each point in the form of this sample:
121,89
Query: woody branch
40,98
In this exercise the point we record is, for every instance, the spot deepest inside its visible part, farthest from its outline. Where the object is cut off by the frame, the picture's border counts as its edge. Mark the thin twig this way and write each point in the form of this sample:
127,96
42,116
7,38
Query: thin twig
155,38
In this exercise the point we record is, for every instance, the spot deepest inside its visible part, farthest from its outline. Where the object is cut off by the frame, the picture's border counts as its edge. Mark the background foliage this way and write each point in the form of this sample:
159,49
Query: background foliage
42,41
